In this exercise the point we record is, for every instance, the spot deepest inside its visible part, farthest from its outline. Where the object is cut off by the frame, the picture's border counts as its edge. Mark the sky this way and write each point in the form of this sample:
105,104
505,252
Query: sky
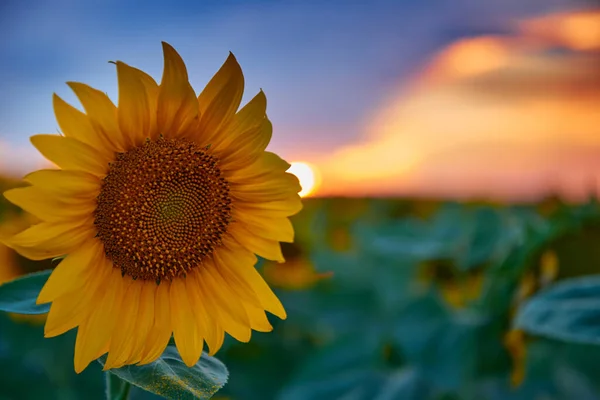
463,98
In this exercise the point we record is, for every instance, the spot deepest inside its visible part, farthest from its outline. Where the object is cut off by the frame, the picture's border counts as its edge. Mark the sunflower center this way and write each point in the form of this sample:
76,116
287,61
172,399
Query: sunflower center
162,209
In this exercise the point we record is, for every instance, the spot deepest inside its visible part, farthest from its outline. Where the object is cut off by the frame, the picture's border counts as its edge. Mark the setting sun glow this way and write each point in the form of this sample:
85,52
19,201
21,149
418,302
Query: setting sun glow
307,176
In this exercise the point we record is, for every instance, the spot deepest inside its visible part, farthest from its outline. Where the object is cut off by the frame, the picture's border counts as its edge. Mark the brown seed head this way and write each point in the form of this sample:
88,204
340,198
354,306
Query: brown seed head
162,209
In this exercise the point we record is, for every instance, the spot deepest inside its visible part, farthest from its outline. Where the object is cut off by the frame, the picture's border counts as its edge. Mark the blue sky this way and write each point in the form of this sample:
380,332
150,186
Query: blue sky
323,64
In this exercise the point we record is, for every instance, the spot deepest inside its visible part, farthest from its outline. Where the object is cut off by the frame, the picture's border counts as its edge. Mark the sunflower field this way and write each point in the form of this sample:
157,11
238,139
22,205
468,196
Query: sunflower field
386,299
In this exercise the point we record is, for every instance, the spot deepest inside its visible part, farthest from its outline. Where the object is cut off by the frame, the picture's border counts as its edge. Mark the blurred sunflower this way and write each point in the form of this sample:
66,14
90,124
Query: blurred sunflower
160,204
458,289
542,273
13,265
296,273
8,265
515,342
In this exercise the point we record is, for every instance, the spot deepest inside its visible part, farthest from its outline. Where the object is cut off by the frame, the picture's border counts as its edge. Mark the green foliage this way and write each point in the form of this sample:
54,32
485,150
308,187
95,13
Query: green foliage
421,305
18,296
37,368
116,388
568,311
421,302
170,378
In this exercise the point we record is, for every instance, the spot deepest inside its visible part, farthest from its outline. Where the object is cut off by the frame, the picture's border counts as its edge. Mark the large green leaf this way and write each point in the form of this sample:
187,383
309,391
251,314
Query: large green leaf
26,357
406,384
170,378
18,296
568,311
116,388
362,384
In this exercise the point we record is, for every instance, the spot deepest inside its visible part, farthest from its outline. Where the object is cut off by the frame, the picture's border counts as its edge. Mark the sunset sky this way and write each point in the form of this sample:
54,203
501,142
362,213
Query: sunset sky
457,99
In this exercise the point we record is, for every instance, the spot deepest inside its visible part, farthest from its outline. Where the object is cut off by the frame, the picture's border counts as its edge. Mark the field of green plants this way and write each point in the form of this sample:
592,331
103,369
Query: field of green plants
391,299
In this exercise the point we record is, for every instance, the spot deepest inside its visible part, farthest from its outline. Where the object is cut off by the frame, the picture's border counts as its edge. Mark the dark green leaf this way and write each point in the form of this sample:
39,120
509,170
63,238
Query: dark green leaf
170,378
404,384
362,384
116,388
568,311
18,296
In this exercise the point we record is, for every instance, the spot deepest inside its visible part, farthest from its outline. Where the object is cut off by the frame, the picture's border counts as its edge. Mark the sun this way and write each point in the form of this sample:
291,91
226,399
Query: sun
307,175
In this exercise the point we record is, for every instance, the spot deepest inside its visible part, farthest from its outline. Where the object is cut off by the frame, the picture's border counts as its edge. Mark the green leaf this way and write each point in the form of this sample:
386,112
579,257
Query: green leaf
116,388
406,384
19,295
361,384
567,311
171,378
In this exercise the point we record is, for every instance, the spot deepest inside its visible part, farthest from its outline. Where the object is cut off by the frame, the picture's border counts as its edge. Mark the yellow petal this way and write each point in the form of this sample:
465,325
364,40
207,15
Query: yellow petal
241,143
94,334
185,329
276,188
134,109
159,335
238,285
47,207
83,336
258,319
220,336
233,320
64,315
122,338
207,324
248,147
71,309
102,114
264,167
152,89
229,252
145,320
70,184
76,125
268,172
72,270
50,239
248,119
35,253
44,233
279,229
280,208
221,98
267,248
71,154
235,303
231,311
177,103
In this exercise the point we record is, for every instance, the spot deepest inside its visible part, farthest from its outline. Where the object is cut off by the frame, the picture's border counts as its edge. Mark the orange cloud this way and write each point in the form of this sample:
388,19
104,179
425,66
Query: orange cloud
577,30
490,116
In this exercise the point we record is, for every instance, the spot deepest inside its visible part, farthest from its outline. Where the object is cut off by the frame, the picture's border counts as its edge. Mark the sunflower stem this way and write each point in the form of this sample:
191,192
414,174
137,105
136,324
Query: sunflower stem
116,388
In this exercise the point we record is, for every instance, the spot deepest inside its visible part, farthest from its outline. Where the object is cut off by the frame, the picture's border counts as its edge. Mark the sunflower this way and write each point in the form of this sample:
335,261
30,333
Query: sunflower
160,205
8,267
12,265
